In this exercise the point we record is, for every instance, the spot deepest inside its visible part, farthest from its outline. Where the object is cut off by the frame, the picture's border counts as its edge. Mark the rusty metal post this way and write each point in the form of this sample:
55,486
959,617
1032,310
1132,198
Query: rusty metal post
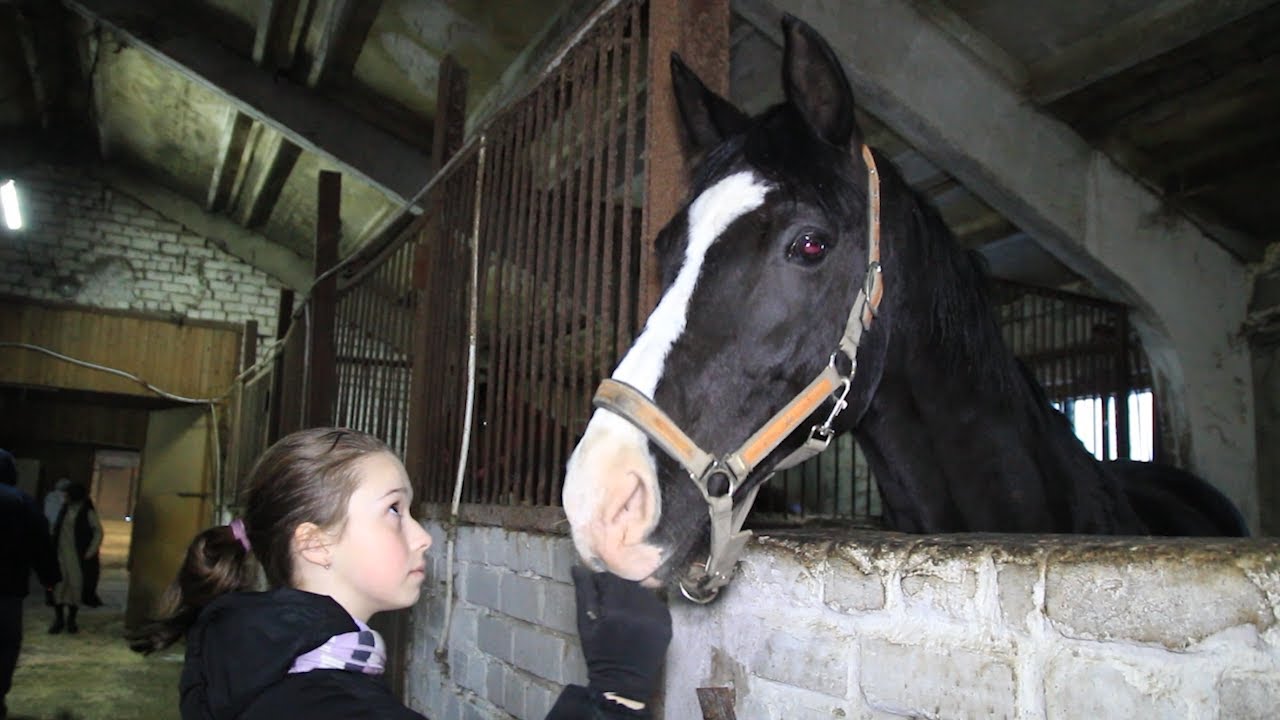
699,31
322,375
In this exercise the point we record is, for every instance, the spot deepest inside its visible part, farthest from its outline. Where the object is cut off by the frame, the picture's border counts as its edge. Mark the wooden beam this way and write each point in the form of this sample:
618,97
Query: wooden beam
231,145
271,258
31,54
390,165
1146,34
322,375
274,159
346,26
699,31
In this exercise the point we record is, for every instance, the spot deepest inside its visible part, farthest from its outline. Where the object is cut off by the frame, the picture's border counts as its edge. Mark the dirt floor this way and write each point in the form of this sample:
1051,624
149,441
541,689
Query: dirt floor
93,675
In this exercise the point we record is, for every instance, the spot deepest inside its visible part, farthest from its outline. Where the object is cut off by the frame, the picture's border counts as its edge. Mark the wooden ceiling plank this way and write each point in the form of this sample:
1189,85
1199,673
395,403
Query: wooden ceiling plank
1140,37
365,151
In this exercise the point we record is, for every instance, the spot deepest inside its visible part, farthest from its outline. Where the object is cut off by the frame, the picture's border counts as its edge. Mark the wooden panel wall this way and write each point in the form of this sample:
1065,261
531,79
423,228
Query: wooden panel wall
192,359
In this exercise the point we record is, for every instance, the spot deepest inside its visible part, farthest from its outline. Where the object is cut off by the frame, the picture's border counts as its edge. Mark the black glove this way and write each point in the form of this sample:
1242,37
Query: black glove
625,631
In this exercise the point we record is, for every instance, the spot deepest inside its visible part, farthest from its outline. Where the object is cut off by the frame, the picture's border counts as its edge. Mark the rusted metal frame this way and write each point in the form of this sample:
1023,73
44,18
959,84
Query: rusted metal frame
560,138
382,382
542,304
608,284
322,376
341,358
502,140
470,244
453,309
577,184
513,428
493,268
351,344
626,325
599,182
391,398
524,423
1125,383
460,215
436,348
406,332
359,348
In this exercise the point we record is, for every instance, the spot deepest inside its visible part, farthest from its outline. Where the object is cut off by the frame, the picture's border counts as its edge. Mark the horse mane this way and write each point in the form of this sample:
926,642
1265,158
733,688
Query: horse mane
960,316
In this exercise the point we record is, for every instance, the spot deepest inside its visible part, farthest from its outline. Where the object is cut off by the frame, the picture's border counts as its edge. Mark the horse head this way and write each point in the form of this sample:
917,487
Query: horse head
767,270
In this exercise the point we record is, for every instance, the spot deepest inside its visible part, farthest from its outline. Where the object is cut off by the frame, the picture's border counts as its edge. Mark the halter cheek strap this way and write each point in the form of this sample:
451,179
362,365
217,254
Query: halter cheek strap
718,479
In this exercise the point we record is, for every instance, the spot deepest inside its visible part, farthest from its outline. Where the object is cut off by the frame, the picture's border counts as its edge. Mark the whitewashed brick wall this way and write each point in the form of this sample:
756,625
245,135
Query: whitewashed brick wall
875,625
85,243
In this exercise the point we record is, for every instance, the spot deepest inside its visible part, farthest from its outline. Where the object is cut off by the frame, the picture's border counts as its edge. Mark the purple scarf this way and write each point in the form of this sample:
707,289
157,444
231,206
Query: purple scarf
362,651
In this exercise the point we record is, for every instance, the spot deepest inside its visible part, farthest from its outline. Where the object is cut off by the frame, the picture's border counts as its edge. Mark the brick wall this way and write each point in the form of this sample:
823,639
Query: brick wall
88,244
513,641
874,625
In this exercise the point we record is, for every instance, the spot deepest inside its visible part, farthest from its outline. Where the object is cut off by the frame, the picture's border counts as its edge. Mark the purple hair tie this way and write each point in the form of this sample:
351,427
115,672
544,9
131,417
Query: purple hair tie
237,529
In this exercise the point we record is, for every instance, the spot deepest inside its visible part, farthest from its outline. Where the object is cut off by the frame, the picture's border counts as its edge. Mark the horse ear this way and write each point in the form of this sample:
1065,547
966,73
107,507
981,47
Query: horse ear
708,118
816,85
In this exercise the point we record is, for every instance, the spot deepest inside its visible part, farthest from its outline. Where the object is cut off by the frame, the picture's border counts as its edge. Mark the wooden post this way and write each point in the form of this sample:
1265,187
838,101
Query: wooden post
451,113
322,375
275,421
699,31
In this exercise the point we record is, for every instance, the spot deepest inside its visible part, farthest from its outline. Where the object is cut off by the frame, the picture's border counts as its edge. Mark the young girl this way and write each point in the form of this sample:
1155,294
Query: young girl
326,515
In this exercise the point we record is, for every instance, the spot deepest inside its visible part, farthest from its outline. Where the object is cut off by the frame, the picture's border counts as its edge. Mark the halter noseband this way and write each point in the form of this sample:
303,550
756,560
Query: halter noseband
718,478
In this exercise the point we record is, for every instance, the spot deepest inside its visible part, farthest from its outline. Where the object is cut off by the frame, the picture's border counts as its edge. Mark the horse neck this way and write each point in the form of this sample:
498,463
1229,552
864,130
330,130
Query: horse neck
959,438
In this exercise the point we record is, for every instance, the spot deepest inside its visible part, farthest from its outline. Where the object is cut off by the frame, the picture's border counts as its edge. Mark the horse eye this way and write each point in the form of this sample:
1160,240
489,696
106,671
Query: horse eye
809,246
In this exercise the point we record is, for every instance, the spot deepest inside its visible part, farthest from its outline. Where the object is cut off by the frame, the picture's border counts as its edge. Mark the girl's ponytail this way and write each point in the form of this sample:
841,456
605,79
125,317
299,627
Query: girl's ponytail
218,562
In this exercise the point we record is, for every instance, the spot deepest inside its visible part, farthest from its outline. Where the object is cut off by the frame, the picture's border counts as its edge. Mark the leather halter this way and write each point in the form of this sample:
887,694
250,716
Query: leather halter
719,478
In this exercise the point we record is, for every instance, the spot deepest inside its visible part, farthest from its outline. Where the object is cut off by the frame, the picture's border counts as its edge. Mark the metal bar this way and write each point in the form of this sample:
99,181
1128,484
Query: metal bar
626,324
538,427
514,432
500,407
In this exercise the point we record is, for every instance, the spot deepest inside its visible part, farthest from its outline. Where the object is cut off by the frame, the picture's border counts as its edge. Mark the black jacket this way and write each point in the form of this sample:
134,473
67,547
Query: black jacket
24,537
241,648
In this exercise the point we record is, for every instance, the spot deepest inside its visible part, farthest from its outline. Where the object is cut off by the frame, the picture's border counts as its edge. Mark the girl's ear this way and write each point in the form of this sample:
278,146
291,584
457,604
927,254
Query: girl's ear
312,544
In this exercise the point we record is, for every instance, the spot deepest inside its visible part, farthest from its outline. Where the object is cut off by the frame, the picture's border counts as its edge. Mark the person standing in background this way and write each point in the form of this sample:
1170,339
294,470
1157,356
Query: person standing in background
54,500
24,537
77,535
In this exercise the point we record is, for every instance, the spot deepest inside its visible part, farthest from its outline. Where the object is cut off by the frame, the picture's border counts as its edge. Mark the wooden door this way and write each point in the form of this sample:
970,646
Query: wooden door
175,492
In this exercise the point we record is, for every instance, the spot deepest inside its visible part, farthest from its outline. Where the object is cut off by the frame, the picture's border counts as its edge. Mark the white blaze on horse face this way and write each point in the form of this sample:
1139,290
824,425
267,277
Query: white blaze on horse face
611,492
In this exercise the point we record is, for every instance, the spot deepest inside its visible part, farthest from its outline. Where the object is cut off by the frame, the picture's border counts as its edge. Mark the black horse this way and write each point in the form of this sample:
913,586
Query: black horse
762,271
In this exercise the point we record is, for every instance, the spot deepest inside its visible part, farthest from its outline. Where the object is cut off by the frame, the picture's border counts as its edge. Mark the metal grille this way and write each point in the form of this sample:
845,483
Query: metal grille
558,222
373,334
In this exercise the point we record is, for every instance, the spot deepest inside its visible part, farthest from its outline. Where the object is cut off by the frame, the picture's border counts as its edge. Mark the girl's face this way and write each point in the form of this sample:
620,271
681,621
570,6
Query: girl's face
378,560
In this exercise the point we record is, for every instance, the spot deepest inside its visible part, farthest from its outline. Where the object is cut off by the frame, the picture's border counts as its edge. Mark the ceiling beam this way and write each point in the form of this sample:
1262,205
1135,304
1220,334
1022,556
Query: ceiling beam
1148,33
31,54
390,165
273,160
231,146
345,26
271,258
